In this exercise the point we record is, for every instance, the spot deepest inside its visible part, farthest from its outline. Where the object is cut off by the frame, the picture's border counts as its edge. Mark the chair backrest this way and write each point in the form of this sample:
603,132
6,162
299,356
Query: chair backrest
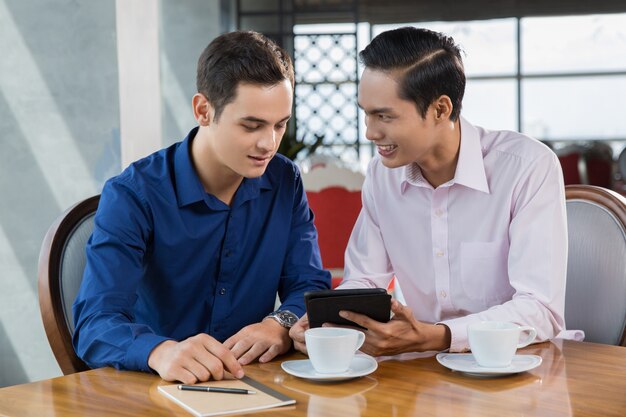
334,195
595,297
61,265
621,163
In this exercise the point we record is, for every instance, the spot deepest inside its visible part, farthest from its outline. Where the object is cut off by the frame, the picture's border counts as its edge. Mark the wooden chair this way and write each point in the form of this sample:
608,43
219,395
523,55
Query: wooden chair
595,297
61,265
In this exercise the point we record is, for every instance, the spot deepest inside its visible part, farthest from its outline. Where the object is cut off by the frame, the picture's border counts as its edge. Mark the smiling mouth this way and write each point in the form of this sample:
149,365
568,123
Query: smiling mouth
387,148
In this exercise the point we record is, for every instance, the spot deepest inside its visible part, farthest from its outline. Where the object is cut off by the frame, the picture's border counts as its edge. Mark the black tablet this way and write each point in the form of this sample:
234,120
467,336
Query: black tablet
324,306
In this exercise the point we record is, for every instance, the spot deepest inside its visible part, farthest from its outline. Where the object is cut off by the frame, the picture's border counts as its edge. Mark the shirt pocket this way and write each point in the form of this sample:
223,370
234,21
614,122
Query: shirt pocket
484,272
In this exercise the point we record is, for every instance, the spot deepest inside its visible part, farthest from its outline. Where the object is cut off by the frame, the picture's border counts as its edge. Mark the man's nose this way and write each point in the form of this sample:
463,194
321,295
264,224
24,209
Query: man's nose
268,141
372,134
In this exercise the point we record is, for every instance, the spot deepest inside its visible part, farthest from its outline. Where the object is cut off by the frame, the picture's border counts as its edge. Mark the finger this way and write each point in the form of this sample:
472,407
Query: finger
401,312
225,356
396,307
185,376
341,326
360,319
228,376
269,354
205,364
232,341
215,367
240,348
298,329
177,372
300,346
198,369
254,352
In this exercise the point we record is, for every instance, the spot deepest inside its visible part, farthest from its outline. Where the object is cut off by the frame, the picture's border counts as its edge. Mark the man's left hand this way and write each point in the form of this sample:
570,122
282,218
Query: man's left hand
264,340
403,333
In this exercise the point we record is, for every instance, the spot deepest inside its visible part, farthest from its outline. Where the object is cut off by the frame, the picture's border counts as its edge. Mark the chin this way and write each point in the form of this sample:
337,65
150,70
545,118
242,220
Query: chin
392,163
254,172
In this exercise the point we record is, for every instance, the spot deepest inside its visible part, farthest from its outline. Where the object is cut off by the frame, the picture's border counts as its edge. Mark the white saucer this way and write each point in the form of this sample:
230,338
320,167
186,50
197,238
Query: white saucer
361,365
465,362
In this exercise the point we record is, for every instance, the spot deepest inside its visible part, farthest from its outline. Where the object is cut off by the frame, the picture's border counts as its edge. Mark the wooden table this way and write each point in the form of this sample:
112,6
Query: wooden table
575,379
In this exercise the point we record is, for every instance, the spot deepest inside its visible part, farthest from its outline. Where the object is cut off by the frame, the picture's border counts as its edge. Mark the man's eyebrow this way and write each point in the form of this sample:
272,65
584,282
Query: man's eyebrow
263,121
376,110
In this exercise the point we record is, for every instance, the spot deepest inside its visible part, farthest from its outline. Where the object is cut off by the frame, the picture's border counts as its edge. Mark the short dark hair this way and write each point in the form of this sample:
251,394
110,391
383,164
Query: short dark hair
429,62
240,57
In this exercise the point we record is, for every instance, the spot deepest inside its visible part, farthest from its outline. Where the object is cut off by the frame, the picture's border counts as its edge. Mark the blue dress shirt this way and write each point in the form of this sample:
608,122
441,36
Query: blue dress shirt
167,260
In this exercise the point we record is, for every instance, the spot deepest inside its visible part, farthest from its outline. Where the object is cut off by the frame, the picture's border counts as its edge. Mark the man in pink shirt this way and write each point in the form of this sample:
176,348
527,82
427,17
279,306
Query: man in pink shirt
470,221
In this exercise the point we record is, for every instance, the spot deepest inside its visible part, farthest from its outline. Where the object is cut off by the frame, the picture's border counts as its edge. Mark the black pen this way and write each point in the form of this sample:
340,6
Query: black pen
215,389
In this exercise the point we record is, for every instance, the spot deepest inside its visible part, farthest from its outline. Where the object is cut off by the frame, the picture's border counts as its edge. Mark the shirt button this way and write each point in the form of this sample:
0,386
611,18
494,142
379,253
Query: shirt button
227,253
223,291
438,212
443,294
439,253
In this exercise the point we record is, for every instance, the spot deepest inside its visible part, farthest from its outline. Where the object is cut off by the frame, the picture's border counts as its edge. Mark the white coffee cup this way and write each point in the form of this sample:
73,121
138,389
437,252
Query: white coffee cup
331,349
493,343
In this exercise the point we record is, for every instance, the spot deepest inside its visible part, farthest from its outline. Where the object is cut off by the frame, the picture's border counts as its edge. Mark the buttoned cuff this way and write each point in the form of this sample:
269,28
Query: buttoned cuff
458,332
138,352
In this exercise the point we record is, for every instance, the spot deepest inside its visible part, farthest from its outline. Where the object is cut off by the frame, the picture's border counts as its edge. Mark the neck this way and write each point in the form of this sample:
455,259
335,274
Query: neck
216,178
440,166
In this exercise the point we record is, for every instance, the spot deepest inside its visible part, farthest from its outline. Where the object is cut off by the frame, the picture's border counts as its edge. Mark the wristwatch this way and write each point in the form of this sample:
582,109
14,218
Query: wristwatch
284,317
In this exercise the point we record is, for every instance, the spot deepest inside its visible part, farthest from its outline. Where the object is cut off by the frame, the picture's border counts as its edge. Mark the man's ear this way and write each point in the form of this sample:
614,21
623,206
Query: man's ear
202,109
442,108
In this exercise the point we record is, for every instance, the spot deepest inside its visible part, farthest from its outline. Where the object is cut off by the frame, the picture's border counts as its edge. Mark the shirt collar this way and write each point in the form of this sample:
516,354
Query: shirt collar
250,188
189,189
470,167
188,186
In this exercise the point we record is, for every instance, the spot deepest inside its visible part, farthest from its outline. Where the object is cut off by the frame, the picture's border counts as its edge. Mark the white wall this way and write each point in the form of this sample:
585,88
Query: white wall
60,135
187,27
59,140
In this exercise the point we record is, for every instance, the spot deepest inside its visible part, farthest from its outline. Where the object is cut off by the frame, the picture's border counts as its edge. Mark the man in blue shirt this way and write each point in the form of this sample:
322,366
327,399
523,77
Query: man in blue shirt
192,243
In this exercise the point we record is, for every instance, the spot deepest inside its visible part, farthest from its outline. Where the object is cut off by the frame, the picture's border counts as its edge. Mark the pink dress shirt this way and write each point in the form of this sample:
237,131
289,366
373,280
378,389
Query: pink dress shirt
491,244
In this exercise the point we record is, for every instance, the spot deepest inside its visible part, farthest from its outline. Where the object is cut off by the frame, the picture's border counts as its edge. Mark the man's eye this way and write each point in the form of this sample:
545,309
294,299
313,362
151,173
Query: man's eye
250,128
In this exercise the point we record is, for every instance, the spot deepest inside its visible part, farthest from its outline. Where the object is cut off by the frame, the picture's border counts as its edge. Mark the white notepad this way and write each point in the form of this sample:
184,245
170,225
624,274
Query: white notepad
204,404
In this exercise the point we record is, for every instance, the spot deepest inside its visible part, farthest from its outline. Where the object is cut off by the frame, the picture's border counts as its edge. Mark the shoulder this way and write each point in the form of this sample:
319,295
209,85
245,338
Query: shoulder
145,177
526,150
150,170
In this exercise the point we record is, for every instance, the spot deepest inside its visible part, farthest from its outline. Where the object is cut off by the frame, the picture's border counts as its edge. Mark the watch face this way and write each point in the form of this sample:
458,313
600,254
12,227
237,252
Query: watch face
285,318
288,317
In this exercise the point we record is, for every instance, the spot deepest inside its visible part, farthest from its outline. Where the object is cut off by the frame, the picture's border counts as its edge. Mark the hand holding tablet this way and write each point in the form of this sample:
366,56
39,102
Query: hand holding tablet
324,306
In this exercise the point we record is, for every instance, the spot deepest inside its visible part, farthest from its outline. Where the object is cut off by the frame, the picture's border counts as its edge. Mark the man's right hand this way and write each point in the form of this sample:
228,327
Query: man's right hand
297,334
196,359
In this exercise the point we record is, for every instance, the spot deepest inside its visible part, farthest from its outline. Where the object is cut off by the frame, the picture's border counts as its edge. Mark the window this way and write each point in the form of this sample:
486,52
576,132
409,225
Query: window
568,84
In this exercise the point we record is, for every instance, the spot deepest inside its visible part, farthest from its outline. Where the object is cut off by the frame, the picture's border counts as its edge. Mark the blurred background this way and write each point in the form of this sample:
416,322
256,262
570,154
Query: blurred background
86,87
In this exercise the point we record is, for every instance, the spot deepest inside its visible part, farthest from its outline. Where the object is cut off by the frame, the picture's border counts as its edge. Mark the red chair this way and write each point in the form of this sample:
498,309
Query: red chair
334,195
599,163
572,164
